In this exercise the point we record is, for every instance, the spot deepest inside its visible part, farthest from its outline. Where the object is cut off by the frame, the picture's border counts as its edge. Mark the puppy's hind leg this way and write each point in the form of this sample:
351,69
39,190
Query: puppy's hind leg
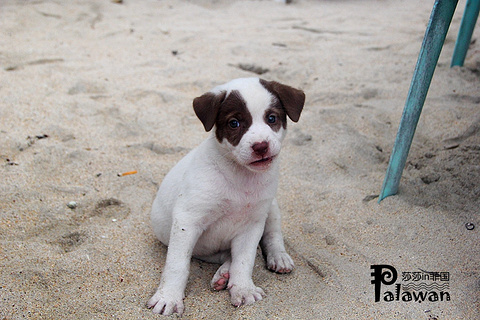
221,277
273,248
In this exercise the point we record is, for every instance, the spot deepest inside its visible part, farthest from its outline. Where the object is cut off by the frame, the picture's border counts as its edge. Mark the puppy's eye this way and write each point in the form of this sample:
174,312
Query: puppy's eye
271,118
234,124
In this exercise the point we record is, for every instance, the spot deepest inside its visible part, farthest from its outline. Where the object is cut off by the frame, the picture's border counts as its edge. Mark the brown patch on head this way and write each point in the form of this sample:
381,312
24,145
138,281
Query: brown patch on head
291,99
233,119
276,116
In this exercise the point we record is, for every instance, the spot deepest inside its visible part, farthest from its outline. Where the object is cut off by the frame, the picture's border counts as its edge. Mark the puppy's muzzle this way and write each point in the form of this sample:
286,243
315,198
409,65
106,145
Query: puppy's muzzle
260,148
262,156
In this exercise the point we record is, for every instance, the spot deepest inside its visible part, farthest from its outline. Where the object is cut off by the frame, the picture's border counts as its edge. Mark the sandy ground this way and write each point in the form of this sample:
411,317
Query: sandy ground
90,89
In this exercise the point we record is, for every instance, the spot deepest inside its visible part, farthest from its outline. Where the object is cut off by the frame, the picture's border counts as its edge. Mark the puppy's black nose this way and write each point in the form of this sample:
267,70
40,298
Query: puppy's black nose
260,148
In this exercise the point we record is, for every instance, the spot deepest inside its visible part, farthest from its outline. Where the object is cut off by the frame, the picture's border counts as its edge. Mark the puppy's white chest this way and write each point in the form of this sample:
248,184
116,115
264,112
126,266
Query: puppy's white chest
245,210
232,219
242,203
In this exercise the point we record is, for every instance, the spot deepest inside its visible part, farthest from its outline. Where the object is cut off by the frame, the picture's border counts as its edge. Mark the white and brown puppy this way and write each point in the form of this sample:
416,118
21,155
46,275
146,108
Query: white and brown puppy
218,203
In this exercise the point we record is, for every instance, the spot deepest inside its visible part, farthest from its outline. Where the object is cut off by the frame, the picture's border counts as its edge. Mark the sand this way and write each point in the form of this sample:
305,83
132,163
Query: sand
90,89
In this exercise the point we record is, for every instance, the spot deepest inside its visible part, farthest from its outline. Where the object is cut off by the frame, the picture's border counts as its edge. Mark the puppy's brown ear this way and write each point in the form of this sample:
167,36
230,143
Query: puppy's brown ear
206,108
292,99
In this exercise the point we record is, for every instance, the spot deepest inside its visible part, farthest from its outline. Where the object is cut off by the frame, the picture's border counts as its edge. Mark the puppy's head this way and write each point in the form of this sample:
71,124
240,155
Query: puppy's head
249,116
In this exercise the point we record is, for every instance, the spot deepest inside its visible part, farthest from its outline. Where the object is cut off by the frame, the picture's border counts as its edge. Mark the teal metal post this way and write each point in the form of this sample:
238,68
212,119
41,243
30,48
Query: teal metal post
465,32
435,34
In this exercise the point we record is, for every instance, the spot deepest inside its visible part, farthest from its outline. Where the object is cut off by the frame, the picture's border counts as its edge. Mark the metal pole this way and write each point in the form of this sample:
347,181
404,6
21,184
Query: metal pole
435,34
465,32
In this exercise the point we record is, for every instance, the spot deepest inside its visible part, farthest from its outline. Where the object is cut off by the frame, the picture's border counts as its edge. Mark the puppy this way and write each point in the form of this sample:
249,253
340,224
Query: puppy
218,203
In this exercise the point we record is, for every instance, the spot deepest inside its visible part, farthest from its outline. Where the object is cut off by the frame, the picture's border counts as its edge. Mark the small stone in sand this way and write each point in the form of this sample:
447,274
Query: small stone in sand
72,204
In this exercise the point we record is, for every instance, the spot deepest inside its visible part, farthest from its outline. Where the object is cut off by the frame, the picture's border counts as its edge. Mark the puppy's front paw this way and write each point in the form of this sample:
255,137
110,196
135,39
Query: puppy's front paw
166,304
245,295
280,262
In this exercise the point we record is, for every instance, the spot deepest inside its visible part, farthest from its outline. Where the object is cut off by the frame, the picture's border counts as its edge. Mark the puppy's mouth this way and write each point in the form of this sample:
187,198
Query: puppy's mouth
262,163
